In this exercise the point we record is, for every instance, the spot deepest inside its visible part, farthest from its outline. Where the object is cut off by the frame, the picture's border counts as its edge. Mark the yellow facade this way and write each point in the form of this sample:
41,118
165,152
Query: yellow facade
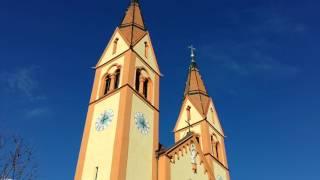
182,169
101,142
121,135
220,171
140,145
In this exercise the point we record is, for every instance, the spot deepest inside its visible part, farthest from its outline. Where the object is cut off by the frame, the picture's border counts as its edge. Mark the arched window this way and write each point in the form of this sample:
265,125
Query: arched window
111,80
198,139
107,84
145,88
138,72
117,79
143,84
217,150
214,143
213,146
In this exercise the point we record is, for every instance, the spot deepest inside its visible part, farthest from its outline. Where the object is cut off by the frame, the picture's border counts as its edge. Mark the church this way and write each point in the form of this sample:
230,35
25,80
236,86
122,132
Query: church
121,134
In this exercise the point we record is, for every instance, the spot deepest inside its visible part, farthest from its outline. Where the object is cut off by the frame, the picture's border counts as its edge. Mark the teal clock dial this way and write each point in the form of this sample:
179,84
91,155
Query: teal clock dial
219,178
142,123
104,120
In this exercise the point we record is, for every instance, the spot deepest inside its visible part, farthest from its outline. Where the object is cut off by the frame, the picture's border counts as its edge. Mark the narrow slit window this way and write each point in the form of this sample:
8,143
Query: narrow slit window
212,115
146,49
97,169
188,113
115,45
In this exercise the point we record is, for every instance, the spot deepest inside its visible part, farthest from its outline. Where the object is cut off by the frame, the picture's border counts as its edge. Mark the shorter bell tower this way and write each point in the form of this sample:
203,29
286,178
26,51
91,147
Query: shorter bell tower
198,115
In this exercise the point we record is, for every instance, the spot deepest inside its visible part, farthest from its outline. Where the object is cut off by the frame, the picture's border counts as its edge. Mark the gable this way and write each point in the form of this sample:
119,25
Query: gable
213,119
185,164
194,114
182,169
151,60
108,54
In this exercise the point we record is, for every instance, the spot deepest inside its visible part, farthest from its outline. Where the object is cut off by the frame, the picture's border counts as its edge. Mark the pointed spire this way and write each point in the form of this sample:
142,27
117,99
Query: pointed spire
132,25
194,82
195,88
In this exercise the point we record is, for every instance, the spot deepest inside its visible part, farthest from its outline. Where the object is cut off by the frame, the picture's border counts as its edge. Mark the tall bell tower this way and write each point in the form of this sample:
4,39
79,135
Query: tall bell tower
120,136
198,115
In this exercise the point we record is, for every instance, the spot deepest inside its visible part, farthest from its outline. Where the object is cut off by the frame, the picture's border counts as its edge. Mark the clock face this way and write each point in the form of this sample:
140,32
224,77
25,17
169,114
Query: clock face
104,120
219,177
141,123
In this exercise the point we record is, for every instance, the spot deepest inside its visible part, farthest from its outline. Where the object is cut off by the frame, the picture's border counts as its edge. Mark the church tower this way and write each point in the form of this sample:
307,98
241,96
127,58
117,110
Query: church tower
120,137
198,115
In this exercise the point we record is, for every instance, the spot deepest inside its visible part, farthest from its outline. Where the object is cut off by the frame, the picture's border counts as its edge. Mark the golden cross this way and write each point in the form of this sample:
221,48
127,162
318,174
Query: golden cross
192,53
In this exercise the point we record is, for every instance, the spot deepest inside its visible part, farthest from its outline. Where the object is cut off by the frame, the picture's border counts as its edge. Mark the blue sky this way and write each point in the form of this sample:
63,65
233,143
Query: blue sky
259,60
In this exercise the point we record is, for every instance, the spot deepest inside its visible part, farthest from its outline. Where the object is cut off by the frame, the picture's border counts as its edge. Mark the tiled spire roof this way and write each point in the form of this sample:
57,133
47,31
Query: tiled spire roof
132,25
195,88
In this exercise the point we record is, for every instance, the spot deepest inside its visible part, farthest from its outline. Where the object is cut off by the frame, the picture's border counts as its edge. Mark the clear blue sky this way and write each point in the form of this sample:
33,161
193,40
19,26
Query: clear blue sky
259,60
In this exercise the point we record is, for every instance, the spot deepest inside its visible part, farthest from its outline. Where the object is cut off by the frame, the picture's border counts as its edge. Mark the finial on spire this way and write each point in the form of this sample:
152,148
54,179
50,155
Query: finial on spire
192,54
134,1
